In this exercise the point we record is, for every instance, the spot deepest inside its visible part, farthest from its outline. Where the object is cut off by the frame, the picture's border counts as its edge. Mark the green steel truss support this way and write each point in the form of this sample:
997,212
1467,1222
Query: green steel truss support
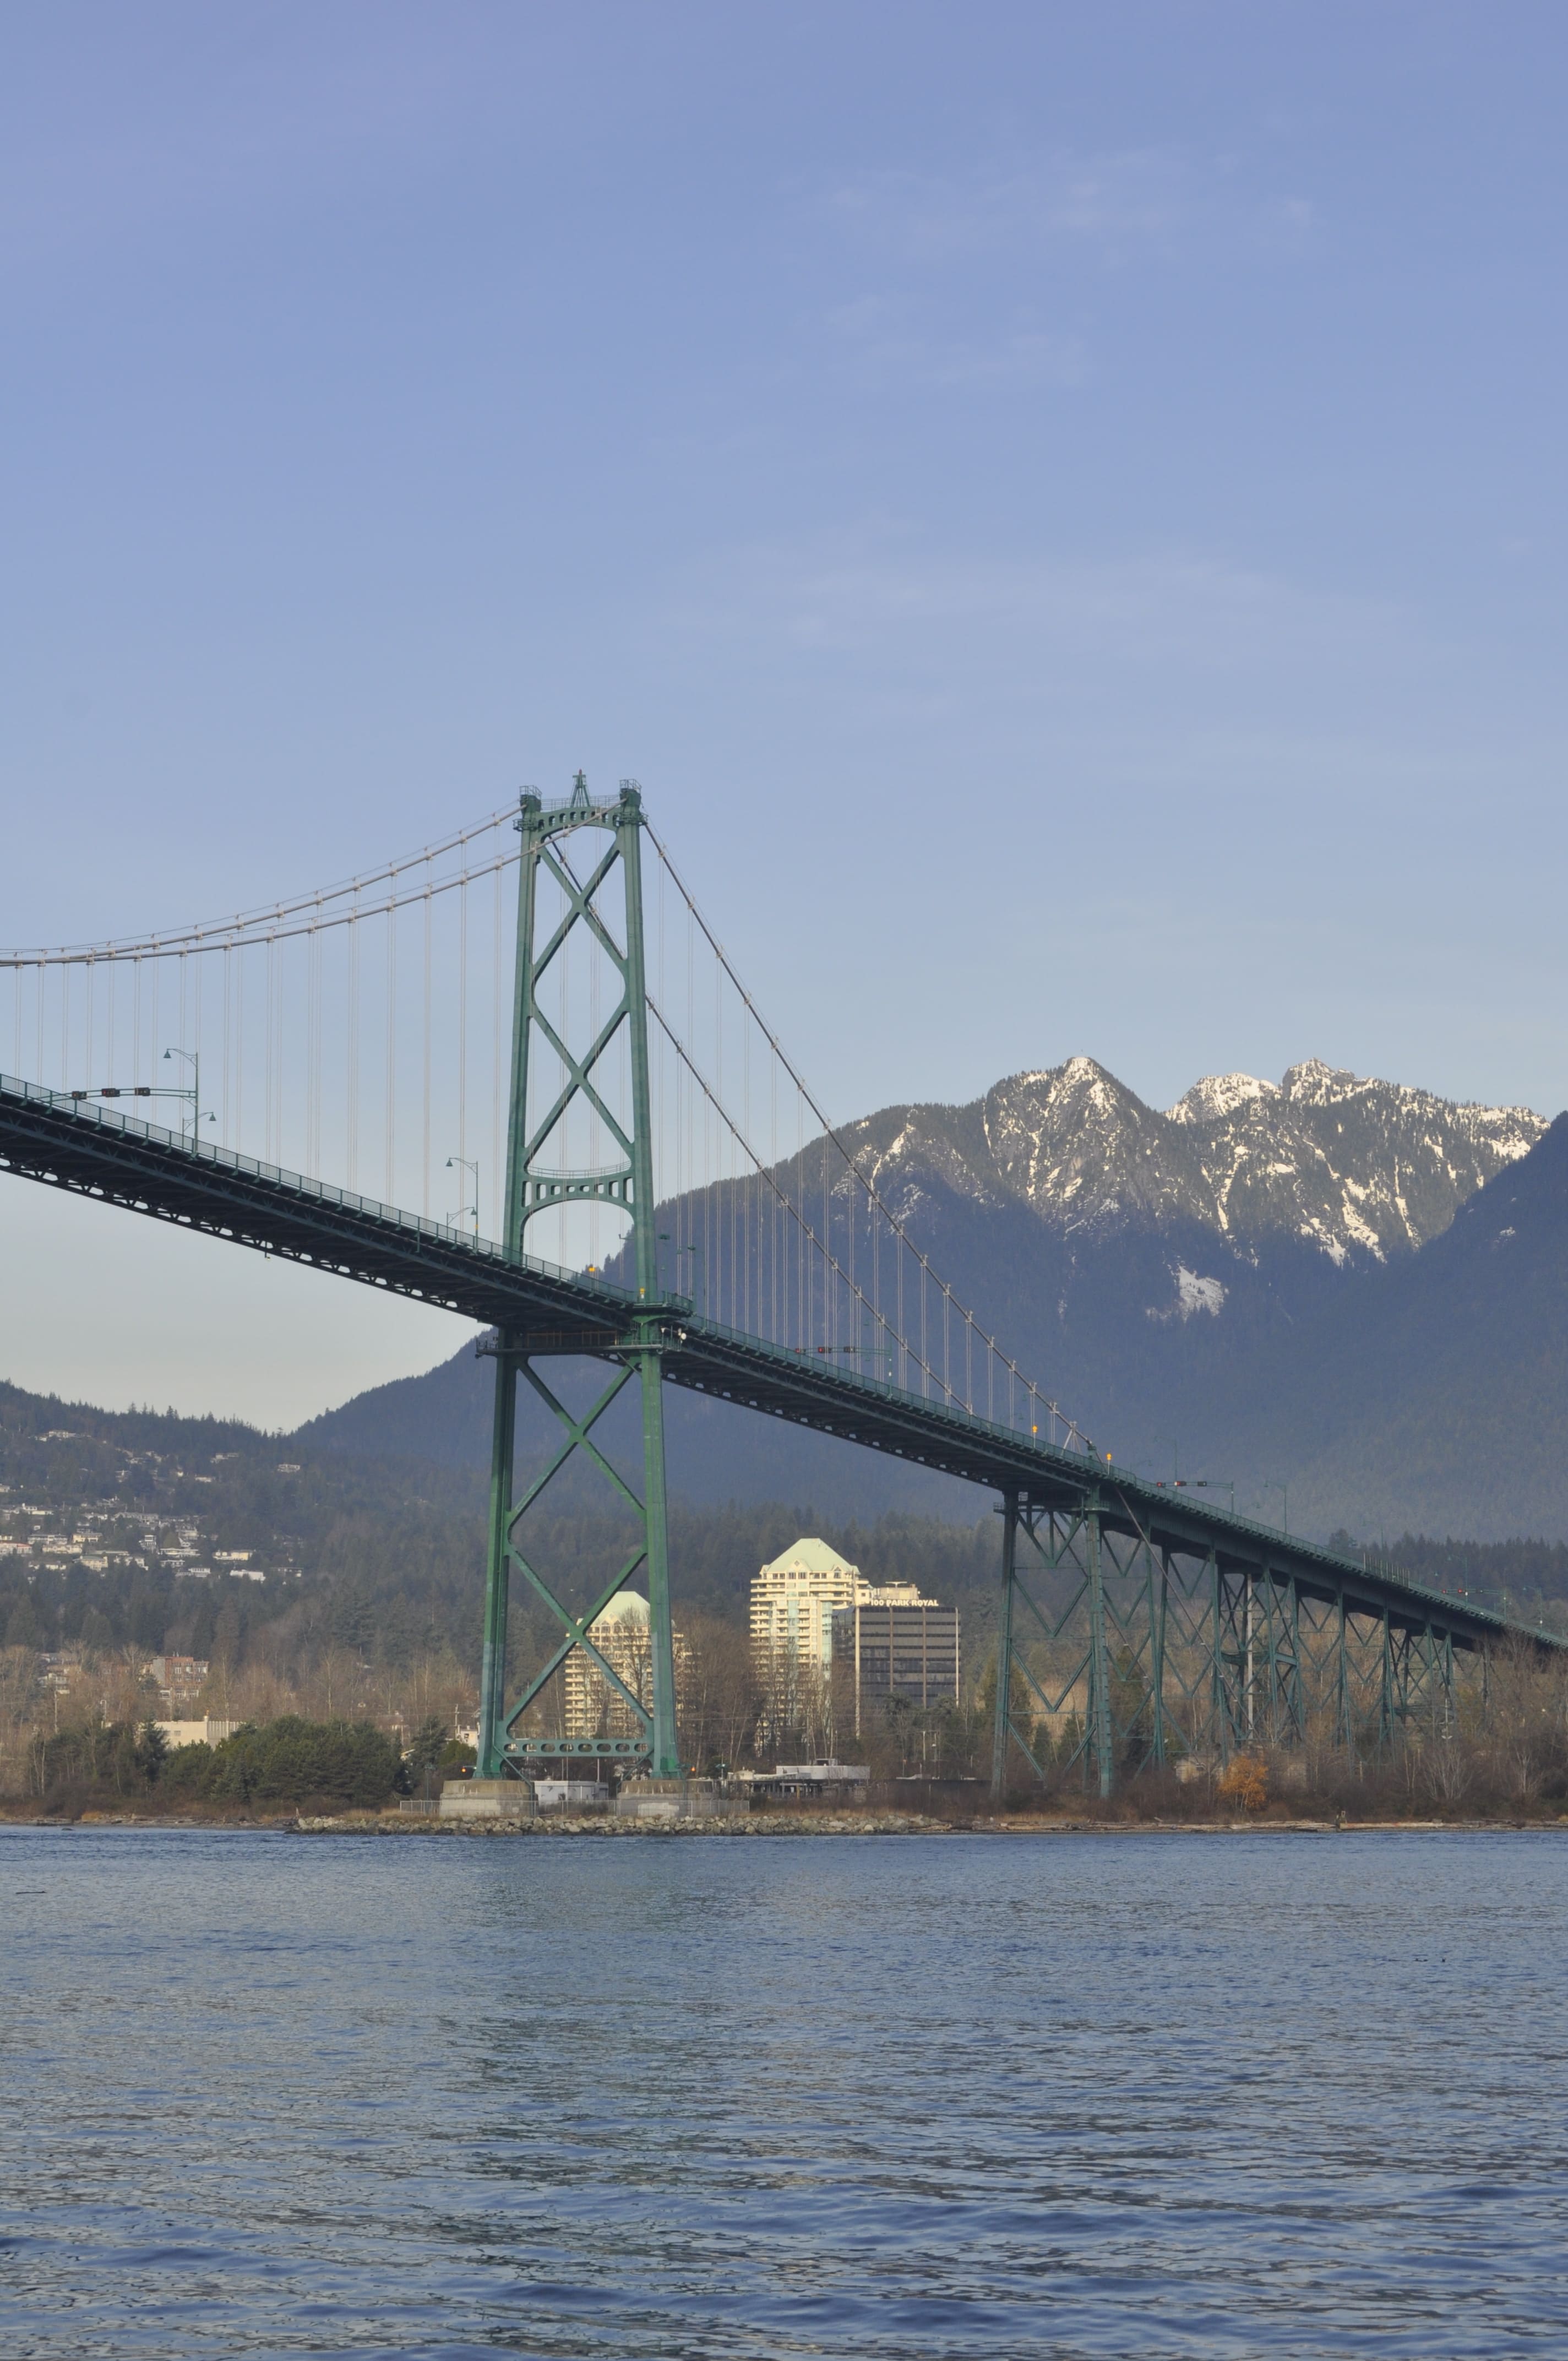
1099,1655
537,1182
1046,1690
1114,1653
1002,1734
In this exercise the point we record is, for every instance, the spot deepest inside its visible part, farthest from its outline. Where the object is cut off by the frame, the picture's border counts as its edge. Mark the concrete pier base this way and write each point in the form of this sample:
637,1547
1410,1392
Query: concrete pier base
487,1799
675,1799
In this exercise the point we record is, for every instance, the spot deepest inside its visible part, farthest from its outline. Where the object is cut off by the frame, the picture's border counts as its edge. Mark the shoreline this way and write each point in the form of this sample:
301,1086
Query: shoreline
770,1825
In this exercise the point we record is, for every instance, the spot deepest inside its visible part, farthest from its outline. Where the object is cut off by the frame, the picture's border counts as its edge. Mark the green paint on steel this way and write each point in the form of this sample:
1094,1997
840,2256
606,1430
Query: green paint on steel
1100,1675
1116,1651
1004,1645
535,1183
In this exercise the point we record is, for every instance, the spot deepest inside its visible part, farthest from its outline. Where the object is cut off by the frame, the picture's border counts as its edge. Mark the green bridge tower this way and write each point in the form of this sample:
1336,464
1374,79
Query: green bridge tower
537,1182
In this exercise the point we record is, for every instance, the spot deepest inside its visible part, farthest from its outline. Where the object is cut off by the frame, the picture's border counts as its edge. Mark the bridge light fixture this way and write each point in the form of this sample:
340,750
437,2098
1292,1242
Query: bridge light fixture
193,1058
468,1164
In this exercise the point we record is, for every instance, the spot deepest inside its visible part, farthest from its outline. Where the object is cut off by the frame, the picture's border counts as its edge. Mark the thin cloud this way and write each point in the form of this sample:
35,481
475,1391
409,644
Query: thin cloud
857,597
1120,205
879,345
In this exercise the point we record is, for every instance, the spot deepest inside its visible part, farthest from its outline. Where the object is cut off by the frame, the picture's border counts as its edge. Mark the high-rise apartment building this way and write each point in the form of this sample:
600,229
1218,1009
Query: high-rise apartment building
794,1600
595,1710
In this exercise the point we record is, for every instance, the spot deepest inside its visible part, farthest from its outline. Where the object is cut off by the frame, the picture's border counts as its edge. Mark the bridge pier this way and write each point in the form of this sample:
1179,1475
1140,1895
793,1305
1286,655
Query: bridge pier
497,1585
1099,1658
1002,1732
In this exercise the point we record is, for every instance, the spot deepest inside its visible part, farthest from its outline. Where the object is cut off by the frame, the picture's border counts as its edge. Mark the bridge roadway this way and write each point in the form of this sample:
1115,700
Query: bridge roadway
94,1150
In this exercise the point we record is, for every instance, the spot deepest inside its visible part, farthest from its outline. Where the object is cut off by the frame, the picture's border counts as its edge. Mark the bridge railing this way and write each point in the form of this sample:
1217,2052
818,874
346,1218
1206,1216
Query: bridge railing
212,1155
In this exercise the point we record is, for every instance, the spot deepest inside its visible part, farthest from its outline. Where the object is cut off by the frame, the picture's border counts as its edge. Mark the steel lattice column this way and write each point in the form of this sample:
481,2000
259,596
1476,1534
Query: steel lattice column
534,1185
1099,1655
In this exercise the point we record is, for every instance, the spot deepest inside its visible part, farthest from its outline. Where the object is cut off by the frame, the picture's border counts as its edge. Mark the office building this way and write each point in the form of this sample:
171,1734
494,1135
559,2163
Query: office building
894,1643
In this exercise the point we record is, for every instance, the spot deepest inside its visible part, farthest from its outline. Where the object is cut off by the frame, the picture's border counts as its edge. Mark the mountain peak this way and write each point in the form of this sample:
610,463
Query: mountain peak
1218,1096
1347,1163
1312,1083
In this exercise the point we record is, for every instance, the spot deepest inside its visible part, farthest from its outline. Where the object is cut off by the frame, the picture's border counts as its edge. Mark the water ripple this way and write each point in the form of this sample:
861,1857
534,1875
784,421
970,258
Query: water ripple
1182,2099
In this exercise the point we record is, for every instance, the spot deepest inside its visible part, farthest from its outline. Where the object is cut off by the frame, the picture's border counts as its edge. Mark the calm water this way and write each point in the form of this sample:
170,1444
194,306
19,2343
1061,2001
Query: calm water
1141,2096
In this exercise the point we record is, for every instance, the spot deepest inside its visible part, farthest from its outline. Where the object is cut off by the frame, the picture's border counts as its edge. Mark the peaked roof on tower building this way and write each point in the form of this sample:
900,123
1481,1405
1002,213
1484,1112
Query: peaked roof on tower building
809,1555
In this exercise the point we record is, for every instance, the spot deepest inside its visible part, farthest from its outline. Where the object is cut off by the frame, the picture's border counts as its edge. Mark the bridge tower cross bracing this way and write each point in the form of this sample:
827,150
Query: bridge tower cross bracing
536,1182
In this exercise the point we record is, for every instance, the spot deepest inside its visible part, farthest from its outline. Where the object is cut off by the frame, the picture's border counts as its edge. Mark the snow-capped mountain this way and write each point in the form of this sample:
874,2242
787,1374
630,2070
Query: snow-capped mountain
1342,1286
1354,1167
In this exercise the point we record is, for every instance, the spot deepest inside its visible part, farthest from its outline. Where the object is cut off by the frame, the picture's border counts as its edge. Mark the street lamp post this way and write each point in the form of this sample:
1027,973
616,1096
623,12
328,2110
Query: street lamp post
193,1058
468,1164
1271,1484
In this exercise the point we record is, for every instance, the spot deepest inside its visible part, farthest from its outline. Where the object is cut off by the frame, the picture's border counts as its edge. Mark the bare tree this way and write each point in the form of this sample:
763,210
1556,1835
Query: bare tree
723,1698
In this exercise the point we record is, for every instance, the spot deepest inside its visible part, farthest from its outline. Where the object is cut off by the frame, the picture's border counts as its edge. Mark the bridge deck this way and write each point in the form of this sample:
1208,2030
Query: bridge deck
95,1152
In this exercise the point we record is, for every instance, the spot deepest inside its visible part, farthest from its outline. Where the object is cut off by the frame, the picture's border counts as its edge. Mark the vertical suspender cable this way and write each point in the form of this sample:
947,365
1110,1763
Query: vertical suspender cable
827,1241
498,1171
350,1145
198,975
802,1276
223,1127
563,965
903,1349
663,1185
595,1132
462,1025
424,1194
390,1108
239,1051
716,1166
279,1074
924,1356
270,1058
749,1180
313,1054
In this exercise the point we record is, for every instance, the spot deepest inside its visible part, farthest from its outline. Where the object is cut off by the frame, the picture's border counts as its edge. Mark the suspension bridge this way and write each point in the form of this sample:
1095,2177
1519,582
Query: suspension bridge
577,1062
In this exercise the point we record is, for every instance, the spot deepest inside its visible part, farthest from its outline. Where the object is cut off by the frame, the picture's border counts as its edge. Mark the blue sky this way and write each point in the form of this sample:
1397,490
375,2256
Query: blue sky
1060,506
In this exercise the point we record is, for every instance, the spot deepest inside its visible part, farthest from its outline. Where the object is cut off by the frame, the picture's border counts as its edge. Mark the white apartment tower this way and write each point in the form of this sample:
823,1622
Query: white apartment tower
796,1598
594,1710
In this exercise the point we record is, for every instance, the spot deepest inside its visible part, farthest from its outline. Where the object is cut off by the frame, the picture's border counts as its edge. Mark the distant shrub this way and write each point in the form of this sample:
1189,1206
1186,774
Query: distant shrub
274,1763
187,1771
1245,1782
294,1762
